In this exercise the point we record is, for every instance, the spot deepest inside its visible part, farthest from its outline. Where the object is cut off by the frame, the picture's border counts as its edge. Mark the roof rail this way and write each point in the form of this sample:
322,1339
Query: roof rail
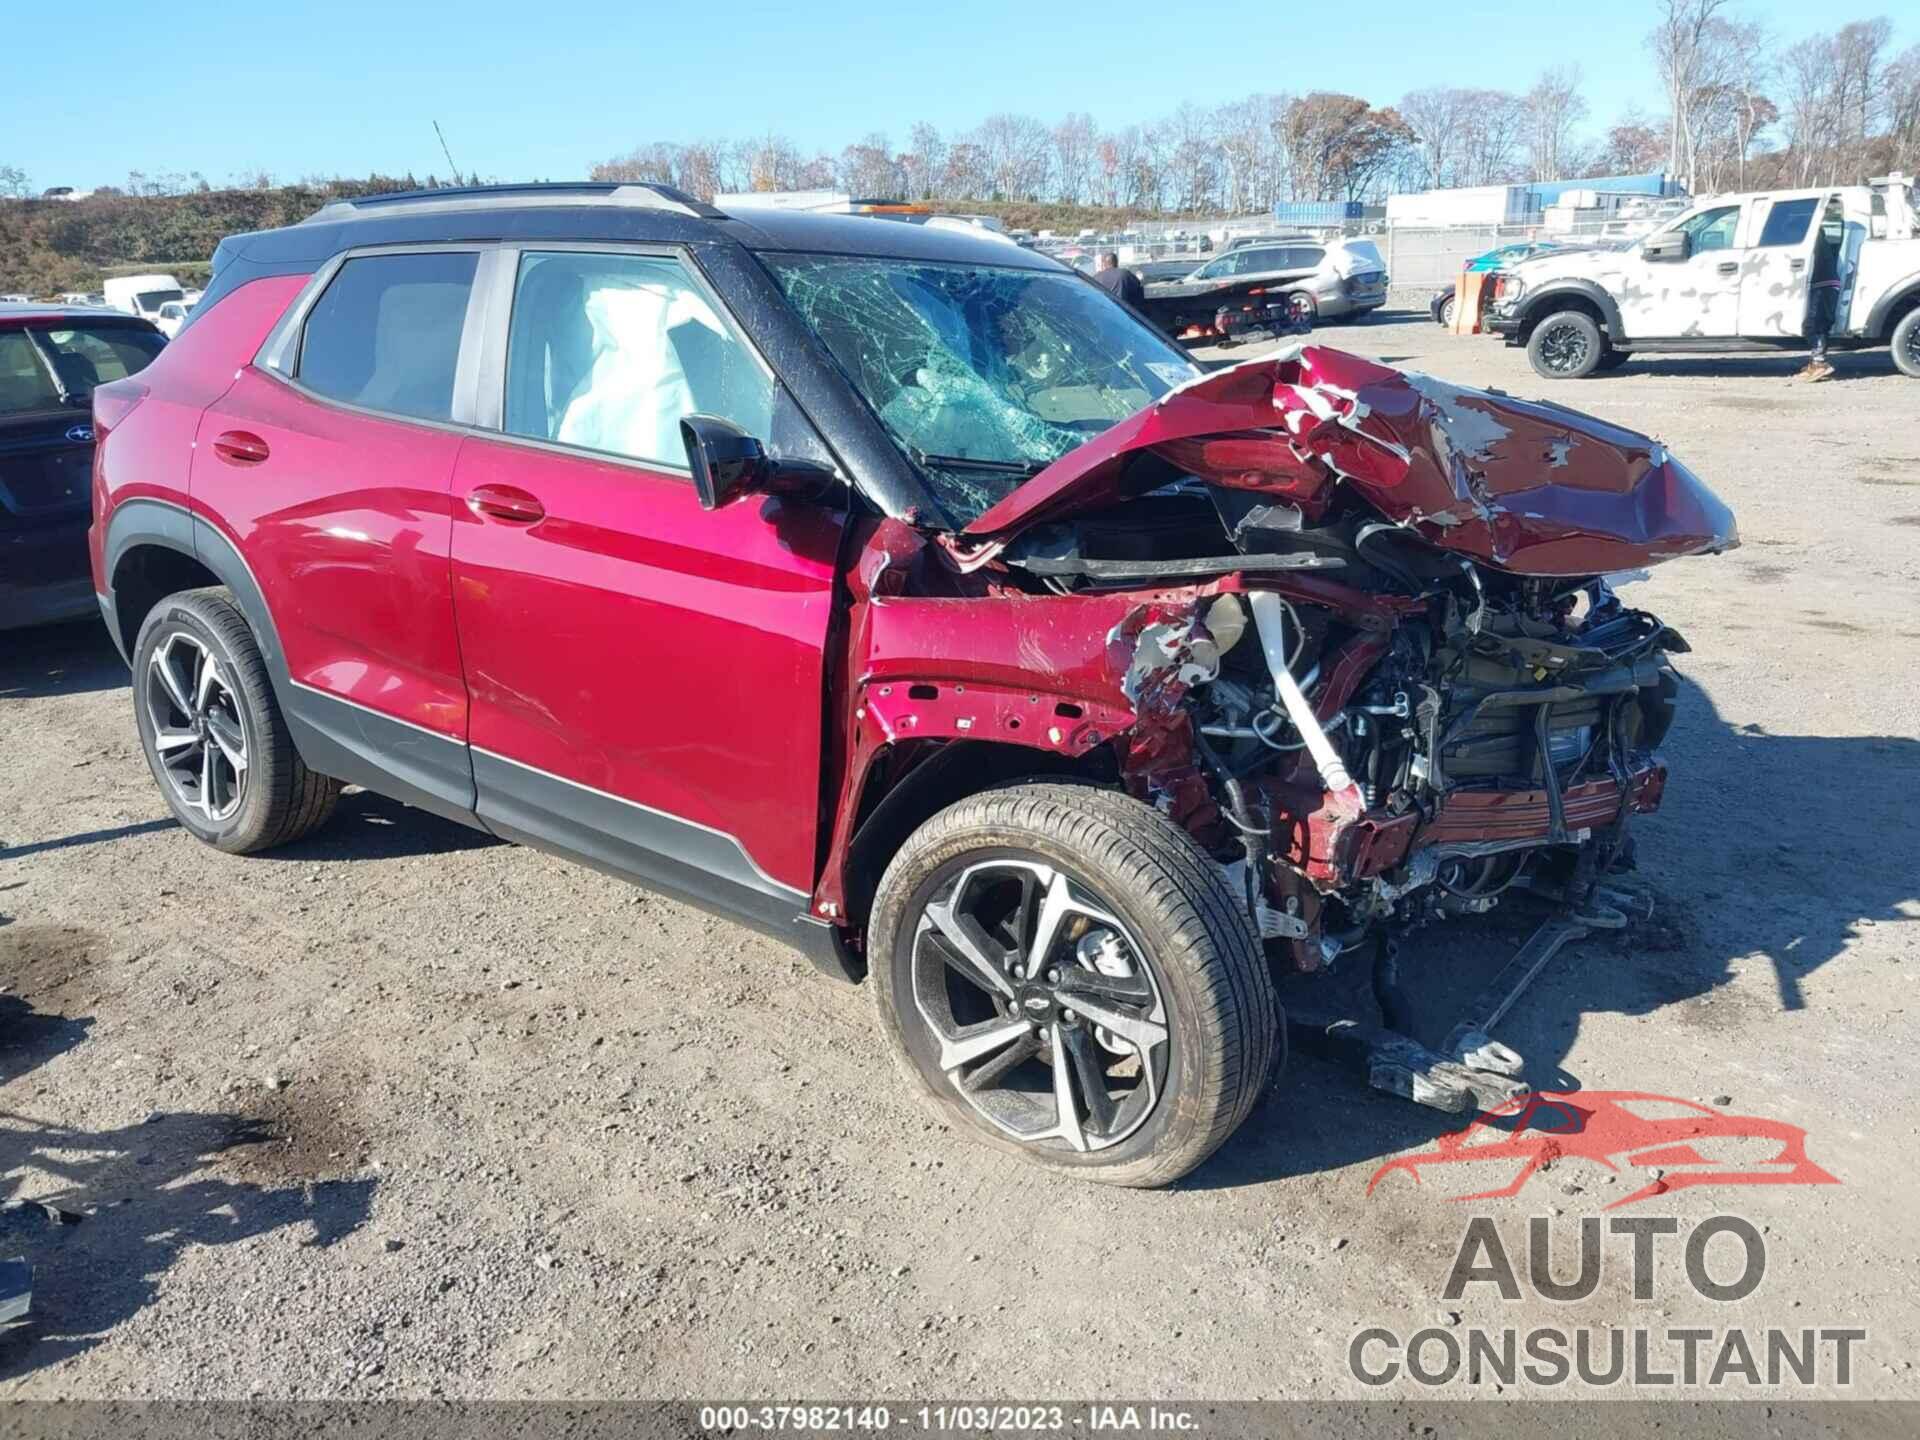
645,195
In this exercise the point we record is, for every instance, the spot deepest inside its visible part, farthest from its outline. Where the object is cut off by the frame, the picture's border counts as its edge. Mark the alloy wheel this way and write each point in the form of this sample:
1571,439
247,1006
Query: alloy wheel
1563,348
1446,313
1044,1011
199,733
1913,345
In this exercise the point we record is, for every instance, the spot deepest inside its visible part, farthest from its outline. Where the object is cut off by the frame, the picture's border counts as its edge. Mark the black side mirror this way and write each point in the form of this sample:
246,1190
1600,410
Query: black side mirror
728,463
1668,246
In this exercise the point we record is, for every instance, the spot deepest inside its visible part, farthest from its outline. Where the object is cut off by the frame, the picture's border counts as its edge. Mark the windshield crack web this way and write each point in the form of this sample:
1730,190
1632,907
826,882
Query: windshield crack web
973,368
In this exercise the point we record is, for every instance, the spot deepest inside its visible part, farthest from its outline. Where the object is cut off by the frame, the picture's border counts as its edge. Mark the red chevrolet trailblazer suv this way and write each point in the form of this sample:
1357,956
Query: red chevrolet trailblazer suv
891,589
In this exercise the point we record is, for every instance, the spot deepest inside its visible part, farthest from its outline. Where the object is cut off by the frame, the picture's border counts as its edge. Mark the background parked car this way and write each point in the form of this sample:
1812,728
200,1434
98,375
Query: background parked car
1441,306
1301,281
51,358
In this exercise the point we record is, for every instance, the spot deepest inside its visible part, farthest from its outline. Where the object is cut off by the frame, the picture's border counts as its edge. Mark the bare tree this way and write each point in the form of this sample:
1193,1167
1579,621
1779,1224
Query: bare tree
868,169
1683,50
1903,107
1859,52
1018,151
14,184
1250,157
967,175
1074,141
923,163
1439,119
1493,136
1554,106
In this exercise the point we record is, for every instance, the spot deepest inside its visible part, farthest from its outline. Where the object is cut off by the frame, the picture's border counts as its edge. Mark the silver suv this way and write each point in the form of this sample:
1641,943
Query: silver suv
1340,277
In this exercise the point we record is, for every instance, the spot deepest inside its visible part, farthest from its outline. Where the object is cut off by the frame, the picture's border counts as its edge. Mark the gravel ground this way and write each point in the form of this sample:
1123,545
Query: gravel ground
401,1112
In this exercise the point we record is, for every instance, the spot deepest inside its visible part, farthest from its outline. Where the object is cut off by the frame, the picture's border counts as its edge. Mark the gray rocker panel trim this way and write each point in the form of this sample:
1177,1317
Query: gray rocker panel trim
650,848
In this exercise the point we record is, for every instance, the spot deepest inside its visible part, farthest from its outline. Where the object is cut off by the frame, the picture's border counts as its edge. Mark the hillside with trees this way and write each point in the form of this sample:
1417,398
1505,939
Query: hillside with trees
1739,108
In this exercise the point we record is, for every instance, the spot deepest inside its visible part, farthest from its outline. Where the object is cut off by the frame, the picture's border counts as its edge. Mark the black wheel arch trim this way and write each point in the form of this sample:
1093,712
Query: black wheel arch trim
1539,304
1887,309
333,735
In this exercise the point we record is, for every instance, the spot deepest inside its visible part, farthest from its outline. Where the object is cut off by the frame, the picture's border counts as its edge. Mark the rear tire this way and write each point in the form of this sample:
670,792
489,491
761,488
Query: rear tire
1447,309
1145,938
212,731
1906,344
1567,345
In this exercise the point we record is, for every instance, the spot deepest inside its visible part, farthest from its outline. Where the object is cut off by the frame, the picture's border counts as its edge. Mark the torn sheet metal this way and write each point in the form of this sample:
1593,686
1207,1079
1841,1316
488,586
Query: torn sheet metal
1529,487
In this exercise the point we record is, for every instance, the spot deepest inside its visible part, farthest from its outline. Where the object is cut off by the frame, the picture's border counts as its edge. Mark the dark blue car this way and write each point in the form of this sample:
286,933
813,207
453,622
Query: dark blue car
51,357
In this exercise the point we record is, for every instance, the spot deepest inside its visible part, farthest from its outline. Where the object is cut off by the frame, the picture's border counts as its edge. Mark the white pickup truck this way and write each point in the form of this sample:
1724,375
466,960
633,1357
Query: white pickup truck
1734,272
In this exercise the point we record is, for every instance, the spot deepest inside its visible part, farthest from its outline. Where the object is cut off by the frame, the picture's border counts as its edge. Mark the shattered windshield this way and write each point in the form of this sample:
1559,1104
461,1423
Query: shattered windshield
983,375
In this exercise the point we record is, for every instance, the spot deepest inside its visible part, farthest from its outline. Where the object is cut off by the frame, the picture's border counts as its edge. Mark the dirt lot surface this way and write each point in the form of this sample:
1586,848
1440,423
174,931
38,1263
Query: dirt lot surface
402,1112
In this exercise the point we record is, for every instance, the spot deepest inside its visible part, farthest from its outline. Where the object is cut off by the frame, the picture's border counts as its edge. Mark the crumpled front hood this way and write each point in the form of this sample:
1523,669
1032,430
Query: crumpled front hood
1528,487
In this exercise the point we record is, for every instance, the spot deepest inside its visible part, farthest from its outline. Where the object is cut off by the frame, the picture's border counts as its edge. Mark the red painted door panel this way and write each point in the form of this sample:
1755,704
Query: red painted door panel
345,520
619,637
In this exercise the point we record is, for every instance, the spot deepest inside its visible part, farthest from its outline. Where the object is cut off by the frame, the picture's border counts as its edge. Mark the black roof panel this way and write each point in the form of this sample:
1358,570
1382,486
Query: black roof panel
613,213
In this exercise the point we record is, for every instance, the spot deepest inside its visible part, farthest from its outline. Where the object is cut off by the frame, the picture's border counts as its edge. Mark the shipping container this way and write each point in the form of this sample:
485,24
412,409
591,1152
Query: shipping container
1302,213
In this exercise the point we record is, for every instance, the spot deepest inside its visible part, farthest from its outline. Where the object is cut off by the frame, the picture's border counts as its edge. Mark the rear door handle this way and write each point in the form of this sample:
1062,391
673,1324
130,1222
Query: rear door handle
240,447
1729,267
508,503
1796,263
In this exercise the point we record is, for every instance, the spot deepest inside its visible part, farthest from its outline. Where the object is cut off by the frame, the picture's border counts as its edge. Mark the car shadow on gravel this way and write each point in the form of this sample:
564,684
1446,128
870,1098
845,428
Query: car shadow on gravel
366,826
133,1200
1780,851
50,660
109,1212
1867,365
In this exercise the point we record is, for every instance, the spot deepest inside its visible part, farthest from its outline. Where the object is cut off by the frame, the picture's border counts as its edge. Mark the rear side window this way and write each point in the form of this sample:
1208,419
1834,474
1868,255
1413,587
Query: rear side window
46,368
608,352
25,382
1307,259
386,334
84,357
1787,222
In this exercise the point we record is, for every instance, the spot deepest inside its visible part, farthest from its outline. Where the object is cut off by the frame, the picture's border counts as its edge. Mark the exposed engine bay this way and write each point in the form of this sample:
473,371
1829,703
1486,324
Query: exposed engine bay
1349,779
1360,626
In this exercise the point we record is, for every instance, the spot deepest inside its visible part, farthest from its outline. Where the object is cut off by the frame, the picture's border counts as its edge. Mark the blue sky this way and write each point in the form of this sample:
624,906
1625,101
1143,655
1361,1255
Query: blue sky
543,88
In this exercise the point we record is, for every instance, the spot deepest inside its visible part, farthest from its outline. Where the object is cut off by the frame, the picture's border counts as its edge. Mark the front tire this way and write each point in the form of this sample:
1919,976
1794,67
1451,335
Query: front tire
1447,308
1063,974
1906,344
1567,345
212,731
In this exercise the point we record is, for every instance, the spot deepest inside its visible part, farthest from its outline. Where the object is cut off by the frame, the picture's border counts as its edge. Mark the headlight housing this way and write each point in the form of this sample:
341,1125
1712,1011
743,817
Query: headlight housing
1507,290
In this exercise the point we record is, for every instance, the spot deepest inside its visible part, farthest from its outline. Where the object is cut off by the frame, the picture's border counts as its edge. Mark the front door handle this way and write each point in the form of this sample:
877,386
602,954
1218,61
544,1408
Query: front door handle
508,503
240,447
1729,267
1796,263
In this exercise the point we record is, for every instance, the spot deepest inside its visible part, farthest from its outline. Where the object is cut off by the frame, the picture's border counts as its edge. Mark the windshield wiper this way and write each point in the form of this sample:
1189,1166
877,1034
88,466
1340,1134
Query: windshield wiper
1024,468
